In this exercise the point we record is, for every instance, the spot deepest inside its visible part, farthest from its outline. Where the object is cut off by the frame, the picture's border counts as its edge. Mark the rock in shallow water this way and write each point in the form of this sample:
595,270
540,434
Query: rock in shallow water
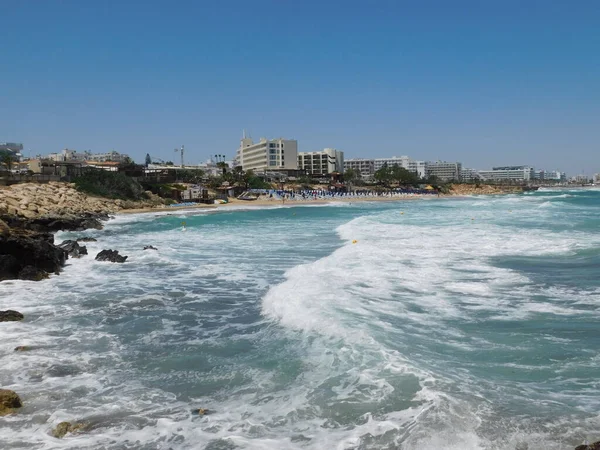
594,446
149,247
110,255
68,427
9,401
10,316
73,248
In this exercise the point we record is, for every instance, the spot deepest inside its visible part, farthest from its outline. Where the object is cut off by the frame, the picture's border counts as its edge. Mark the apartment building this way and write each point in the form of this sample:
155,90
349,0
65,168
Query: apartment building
324,162
267,154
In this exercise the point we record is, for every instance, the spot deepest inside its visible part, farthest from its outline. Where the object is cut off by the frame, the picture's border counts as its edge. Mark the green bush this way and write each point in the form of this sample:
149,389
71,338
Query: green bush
109,184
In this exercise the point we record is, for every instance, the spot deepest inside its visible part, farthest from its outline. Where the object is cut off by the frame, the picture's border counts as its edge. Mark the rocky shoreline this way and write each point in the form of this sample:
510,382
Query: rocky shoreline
31,213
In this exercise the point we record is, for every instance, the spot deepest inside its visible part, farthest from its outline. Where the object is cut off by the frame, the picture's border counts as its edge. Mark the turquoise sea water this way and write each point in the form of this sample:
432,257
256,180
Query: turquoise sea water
450,324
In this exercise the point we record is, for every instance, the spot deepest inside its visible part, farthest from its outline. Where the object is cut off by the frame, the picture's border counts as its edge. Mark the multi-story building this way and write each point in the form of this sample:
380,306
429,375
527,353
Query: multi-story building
445,171
68,155
274,154
326,161
508,173
467,174
580,179
364,167
418,167
549,175
111,156
597,178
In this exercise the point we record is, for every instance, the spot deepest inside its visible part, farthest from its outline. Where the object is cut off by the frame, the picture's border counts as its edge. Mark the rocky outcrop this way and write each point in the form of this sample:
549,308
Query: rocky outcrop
9,401
68,427
57,199
483,189
149,247
29,255
23,348
594,446
10,316
87,239
73,249
111,256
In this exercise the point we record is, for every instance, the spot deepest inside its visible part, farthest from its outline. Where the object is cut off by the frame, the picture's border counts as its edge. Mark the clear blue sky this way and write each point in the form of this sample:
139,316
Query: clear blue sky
482,82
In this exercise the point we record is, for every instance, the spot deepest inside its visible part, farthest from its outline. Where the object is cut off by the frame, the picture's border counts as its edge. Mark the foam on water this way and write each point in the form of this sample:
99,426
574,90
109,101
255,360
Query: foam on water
438,328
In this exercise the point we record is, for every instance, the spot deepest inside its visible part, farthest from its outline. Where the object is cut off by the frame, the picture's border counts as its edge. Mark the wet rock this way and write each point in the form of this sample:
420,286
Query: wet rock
32,273
4,228
110,255
73,248
23,348
200,411
594,446
9,401
149,247
68,427
10,316
87,239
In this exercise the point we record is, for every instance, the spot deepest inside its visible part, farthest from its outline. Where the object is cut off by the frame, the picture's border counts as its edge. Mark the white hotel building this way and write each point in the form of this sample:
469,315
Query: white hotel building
514,173
267,154
326,161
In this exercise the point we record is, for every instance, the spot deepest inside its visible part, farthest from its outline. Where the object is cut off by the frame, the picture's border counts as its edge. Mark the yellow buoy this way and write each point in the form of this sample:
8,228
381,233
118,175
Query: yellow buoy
401,212
354,241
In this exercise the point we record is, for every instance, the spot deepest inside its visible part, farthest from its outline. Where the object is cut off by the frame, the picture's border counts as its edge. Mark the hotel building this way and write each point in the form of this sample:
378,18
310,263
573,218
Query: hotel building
365,167
446,171
508,173
267,154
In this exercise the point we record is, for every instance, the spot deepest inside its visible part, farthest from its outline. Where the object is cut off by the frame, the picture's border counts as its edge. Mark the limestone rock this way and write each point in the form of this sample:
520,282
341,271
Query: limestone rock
9,401
10,316
110,255
32,273
594,446
4,229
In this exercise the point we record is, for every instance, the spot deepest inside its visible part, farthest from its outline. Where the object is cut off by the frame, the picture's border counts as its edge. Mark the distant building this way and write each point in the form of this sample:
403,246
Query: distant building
274,154
549,175
446,171
581,179
418,167
68,155
324,162
508,173
597,178
469,175
364,167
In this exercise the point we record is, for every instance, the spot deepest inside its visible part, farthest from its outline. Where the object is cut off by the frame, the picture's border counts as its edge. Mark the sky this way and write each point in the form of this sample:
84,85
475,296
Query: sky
481,82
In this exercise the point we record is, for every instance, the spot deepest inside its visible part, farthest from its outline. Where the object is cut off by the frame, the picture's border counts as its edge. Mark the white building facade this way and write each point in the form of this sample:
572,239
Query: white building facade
267,154
446,171
467,174
324,162
508,173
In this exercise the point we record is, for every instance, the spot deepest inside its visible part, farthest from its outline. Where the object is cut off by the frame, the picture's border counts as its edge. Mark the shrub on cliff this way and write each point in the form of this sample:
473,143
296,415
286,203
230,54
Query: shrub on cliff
109,184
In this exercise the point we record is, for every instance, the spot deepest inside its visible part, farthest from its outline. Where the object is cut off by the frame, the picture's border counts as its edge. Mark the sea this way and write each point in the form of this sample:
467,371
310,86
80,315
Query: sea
453,323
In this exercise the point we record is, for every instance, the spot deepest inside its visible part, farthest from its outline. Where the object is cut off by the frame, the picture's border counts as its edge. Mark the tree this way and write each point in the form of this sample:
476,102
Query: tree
7,159
351,175
169,163
148,159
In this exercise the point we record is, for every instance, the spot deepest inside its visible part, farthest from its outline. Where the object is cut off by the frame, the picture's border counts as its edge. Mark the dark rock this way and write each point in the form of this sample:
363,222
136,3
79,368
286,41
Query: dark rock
23,348
87,239
29,256
9,401
10,316
31,273
149,247
73,248
110,255
68,427
594,446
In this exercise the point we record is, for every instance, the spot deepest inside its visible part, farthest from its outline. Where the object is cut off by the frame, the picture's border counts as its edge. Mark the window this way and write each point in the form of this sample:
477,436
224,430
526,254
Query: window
272,163
272,151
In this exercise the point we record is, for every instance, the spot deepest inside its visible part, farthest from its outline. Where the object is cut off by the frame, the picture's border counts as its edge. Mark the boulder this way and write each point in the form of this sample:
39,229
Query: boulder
23,348
87,239
73,248
110,255
594,446
149,247
9,401
10,316
68,427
